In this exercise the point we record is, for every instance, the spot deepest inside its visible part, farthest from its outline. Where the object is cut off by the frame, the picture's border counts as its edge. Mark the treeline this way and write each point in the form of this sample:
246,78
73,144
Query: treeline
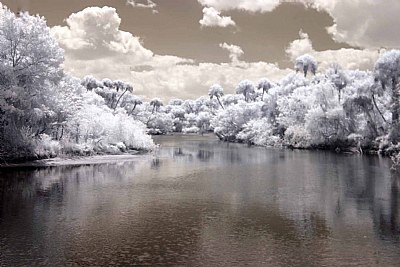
344,110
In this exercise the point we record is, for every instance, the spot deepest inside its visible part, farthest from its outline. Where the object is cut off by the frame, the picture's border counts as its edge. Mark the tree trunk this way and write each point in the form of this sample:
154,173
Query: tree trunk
116,104
62,132
372,124
133,109
220,103
376,106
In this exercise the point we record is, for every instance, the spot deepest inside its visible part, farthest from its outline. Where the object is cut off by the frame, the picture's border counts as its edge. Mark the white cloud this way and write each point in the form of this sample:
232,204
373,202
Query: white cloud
348,58
95,45
150,5
96,30
212,18
191,81
234,51
247,5
300,46
362,23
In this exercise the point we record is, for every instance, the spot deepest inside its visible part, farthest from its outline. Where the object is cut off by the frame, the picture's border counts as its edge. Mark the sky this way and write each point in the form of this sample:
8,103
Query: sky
179,48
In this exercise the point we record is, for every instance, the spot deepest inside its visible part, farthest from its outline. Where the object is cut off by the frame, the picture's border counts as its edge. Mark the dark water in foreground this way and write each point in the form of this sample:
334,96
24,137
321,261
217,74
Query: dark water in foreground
200,202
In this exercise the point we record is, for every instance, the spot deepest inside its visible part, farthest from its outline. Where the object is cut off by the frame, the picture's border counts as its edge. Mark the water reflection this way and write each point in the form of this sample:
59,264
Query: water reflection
202,202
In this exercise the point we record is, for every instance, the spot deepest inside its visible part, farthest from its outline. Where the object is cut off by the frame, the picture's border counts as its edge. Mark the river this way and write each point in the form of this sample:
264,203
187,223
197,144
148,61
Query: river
197,201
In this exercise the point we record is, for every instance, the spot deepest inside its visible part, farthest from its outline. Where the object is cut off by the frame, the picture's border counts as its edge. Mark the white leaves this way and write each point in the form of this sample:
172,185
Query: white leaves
28,49
246,88
216,90
306,63
387,68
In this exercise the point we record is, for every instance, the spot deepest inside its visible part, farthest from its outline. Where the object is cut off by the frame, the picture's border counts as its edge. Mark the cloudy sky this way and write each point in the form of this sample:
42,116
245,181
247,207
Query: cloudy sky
178,48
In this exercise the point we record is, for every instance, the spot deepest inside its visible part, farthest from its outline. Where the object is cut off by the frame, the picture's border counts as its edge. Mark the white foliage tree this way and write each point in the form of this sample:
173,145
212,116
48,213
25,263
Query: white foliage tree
264,84
156,103
216,91
246,88
30,60
306,63
338,78
387,72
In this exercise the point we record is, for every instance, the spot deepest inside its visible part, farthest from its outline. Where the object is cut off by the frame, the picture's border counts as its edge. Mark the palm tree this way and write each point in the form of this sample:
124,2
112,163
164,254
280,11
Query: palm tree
246,88
156,103
265,85
216,91
136,101
127,87
338,78
90,83
305,63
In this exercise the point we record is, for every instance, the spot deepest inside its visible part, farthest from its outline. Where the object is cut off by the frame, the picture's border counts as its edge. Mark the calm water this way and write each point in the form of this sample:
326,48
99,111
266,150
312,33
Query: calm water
201,202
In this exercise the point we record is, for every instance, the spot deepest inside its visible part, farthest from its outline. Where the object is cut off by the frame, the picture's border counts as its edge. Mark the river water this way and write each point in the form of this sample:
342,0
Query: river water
197,201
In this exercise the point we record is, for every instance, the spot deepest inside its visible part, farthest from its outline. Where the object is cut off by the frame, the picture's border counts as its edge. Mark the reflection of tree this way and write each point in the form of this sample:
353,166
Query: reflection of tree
233,156
156,163
205,155
389,221
178,152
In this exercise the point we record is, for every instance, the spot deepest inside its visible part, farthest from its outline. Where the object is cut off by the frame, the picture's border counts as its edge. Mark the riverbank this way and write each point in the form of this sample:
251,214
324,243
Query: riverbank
83,158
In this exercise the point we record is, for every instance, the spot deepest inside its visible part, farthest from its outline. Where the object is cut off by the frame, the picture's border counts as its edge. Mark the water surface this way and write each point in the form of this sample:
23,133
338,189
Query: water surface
201,202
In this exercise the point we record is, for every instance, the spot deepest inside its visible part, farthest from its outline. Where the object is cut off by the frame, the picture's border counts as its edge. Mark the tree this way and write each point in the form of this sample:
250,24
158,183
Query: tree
216,91
30,70
365,105
176,102
29,50
264,84
127,88
387,72
136,101
90,83
305,63
156,103
108,83
246,88
338,78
